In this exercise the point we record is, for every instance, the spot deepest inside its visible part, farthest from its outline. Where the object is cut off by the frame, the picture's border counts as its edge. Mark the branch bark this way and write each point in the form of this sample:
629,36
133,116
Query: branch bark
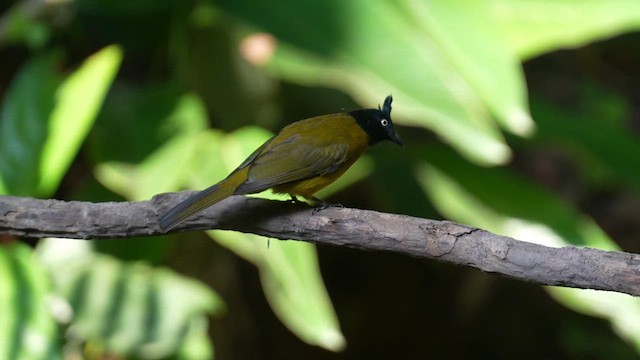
569,266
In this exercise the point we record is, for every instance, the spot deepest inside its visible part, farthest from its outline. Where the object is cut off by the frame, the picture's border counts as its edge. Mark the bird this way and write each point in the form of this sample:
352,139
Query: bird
304,157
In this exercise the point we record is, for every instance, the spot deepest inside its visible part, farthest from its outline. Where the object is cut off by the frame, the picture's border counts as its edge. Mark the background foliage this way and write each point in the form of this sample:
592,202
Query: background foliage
520,117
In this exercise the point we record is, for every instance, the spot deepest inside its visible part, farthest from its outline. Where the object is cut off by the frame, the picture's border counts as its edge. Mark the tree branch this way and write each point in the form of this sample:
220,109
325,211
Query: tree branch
569,266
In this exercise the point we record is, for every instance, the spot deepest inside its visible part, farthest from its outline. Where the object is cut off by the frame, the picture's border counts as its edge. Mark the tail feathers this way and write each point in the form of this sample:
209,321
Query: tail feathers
194,204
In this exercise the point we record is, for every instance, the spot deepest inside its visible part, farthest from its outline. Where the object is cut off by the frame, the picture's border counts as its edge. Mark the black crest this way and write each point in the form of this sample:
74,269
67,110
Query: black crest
377,122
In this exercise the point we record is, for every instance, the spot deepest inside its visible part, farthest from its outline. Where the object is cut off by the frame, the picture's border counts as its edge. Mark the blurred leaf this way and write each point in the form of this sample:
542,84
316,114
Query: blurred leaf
506,204
447,69
602,145
534,27
189,116
218,154
395,54
136,120
78,101
196,344
501,195
42,126
127,308
24,120
479,51
166,168
206,57
138,26
27,329
621,310
21,24
292,284
417,51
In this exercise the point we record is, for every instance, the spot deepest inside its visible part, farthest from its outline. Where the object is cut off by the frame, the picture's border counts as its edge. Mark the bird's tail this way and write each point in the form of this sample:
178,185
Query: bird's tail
197,202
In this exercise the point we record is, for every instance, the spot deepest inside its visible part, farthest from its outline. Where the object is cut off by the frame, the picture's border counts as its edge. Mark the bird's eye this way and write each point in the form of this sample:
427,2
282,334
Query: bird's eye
384,122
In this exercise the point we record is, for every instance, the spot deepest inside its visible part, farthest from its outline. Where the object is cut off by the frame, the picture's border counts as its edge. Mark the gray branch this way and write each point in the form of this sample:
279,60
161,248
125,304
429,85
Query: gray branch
569,266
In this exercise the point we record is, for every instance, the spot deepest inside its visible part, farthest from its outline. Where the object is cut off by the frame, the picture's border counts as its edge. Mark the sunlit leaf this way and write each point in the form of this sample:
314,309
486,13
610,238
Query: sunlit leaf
479,51
126,308
448,69
188,116
78,101
42,125
196,344
292,284
418,51
534,27
294,287
27,329
162,170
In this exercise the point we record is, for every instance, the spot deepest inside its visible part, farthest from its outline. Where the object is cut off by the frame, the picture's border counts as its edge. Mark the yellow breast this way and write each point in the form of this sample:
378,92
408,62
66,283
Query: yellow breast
326,132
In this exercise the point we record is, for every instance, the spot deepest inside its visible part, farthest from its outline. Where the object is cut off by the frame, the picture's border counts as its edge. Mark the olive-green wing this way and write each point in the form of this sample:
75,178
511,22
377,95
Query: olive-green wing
293,160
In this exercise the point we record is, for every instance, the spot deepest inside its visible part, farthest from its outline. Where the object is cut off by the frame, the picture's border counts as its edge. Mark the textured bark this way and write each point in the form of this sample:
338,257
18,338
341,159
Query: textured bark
569,266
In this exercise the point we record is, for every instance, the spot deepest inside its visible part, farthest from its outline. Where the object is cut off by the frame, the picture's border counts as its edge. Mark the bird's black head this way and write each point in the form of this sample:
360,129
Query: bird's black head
377,123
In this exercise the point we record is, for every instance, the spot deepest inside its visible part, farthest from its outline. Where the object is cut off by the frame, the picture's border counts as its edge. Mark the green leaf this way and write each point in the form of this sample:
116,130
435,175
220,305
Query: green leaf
127,309
42,125
534,27
23,23
449,70
479,51
499,199
503,203
162,171
196,344
167,168
137,119
418,51
604,147
78,101
292,284
27,329
24,120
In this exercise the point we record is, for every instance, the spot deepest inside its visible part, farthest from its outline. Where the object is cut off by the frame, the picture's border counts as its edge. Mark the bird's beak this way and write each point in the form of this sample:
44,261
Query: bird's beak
396,139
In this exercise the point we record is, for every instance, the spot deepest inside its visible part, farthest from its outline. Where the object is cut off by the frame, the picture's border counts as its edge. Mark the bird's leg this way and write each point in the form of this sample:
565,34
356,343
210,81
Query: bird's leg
295,200
320,205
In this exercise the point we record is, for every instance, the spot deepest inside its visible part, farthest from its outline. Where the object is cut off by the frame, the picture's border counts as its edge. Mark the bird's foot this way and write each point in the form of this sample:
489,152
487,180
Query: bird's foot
320,205
295,200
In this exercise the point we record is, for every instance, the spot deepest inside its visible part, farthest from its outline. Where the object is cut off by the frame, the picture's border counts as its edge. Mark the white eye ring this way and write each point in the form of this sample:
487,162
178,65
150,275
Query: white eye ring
384,122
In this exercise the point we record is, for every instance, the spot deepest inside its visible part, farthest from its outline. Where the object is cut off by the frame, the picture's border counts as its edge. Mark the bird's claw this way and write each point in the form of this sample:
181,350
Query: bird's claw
322,205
